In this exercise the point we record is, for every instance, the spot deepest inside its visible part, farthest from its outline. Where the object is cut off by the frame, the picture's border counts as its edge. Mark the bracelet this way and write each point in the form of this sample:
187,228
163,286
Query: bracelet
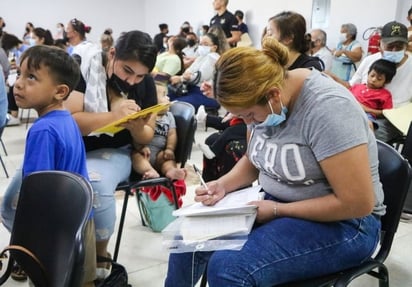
275,210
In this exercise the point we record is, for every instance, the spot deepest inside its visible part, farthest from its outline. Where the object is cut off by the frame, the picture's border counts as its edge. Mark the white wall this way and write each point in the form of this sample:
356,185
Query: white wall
122,15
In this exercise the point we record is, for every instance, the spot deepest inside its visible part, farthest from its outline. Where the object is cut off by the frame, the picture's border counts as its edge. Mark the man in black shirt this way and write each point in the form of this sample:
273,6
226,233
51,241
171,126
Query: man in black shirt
158,40
227,21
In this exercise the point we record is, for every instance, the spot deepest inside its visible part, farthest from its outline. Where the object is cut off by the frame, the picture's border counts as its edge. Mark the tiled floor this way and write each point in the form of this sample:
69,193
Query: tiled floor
141,250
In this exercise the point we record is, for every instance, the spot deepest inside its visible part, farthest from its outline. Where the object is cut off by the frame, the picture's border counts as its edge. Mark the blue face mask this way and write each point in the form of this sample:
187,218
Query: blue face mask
273,119
393,56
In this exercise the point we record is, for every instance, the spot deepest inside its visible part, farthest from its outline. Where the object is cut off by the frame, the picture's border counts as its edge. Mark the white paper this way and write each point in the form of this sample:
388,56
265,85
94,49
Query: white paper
233,203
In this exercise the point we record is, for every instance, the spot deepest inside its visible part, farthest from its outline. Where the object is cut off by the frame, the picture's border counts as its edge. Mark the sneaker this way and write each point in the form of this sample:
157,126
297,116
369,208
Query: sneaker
12,121
207,152
201,117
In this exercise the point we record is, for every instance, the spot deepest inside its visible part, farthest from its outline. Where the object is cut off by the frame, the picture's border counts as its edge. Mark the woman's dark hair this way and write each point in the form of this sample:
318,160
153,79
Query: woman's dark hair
136,46
384,67
293,25
80,27
9,41
44,34
179,43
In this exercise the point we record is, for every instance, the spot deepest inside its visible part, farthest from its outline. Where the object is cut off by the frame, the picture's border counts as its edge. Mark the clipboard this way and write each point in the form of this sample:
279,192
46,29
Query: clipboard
114,127
400,117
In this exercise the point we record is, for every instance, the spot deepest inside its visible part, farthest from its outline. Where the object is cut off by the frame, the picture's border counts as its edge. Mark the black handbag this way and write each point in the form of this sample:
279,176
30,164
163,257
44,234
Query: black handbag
181,89
118,275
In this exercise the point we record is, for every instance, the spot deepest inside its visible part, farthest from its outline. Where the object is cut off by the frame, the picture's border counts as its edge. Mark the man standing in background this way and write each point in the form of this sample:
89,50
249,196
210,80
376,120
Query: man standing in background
227,21
158,40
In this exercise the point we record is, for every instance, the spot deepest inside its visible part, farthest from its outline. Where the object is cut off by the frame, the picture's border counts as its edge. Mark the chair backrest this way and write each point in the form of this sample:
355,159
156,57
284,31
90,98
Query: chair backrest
184,114
52,212
407,145
395,175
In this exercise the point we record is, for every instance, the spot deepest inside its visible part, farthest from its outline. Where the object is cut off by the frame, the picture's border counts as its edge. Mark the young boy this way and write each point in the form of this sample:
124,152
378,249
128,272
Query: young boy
47,76
373,96
159,156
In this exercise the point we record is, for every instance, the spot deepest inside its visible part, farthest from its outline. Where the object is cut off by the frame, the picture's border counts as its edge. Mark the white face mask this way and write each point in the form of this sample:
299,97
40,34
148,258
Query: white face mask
342,37
203,50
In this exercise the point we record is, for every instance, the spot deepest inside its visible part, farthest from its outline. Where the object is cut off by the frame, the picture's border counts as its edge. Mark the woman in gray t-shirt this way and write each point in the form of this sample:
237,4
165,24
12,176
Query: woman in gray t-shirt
315,157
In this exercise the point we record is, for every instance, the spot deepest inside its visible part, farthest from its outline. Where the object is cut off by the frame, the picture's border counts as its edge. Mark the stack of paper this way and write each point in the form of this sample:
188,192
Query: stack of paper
230,216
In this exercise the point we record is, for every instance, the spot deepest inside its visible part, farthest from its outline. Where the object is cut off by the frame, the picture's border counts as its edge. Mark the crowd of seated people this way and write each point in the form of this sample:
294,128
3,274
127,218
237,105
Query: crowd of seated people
188,60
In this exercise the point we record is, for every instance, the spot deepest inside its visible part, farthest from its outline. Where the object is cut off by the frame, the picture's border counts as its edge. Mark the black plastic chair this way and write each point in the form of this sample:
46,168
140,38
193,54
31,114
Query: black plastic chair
184,114
396,175
53,209
407,153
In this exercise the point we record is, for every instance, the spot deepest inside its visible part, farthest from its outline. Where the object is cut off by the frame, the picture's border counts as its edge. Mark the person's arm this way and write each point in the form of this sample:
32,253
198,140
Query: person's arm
349,176
354,55
142,129
242,174
89,121
235,37
375,112
171,143
337,79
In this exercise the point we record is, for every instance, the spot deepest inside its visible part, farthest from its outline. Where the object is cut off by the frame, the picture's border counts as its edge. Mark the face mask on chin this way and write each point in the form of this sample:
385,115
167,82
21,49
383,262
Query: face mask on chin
273,119
393,56
119,85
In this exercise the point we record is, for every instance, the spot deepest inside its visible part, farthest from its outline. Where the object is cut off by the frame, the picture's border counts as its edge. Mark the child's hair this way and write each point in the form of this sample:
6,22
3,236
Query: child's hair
384,67
62,68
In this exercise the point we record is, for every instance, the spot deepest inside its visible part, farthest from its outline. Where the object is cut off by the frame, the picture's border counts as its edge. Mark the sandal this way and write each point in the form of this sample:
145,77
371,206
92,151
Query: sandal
17,273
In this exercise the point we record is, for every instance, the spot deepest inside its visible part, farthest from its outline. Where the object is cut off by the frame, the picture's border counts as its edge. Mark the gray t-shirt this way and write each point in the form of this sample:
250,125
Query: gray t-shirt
325,120
158,143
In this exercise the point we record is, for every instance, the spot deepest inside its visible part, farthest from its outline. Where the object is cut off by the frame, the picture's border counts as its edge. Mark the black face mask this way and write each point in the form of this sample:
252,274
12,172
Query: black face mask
119,85
191,42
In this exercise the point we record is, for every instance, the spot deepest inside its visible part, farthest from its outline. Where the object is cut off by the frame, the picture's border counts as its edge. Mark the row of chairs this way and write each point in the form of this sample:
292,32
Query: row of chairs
53,229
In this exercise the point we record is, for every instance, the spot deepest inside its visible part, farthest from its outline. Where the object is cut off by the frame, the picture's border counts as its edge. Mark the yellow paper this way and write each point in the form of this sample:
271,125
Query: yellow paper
115,127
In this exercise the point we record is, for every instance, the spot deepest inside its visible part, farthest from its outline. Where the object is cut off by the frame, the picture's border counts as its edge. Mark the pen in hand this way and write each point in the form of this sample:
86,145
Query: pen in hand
202,181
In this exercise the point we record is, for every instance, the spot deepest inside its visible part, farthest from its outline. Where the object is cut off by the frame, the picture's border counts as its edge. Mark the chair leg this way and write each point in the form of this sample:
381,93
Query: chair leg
121,223
4,147
384,280
4,167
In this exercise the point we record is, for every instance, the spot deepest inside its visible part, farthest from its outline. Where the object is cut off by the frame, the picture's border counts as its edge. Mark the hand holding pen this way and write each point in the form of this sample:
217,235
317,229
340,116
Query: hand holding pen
208,193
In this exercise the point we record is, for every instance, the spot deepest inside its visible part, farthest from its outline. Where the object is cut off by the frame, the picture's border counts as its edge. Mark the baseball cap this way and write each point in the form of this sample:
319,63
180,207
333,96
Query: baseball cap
394,32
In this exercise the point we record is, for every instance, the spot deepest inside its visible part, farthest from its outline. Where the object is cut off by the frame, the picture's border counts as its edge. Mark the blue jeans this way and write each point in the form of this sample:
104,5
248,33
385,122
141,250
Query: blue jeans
107,167
10,199
282,250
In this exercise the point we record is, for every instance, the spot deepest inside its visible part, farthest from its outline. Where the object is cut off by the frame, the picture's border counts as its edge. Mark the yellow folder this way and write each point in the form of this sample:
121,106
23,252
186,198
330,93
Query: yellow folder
115,127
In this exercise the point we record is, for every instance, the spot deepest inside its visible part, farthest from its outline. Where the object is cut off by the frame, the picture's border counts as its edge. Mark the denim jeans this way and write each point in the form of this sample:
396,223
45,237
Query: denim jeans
107,167
282,250
11,196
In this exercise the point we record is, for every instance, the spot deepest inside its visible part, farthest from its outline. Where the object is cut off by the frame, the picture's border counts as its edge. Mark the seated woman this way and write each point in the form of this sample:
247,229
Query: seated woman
289,28
170,63
204,63
320,198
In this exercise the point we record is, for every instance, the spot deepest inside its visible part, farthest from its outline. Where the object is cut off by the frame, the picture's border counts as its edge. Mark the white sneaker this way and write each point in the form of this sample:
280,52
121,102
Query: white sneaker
201,117
207,152
12,121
